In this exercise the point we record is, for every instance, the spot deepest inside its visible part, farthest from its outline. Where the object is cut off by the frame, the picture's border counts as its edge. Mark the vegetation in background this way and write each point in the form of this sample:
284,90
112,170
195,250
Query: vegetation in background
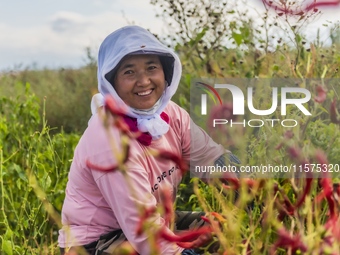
33,173
67,93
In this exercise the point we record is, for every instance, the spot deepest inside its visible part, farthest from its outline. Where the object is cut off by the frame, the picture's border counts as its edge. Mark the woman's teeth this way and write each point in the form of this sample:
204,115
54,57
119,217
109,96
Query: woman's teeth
145,93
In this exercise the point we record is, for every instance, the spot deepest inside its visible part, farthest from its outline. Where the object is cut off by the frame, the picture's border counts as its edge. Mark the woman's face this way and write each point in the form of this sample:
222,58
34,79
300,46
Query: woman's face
140,81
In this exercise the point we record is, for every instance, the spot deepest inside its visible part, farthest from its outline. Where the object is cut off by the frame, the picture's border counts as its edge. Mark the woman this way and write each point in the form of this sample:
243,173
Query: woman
142,75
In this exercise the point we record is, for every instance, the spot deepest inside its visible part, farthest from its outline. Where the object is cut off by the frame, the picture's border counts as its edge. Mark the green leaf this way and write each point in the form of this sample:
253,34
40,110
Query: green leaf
188,79
48,182
198,37
238,38
245,31
298,38
7,247
9,233
18,182
20,172
193,196
182,100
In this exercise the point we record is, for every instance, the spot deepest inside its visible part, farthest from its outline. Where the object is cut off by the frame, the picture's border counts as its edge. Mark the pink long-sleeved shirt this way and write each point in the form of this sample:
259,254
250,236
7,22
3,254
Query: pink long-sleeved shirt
98,202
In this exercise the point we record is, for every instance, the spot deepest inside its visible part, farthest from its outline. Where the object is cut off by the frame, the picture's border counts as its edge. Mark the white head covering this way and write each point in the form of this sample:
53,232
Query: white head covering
136,40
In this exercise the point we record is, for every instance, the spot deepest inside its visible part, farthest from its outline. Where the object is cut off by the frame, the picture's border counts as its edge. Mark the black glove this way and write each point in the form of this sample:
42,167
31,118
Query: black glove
189,252
232,160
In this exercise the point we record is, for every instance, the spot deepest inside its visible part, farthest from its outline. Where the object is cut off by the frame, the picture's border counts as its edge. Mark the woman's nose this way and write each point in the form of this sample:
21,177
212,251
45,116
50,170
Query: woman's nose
143,79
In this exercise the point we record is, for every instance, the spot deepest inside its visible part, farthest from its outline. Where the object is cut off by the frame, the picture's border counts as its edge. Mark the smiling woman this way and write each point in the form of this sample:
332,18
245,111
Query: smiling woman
138,74
140,81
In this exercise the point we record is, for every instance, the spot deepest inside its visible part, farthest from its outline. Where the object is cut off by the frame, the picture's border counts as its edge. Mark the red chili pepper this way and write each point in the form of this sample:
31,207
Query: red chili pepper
218,216
223,111
279,146
321,157
305,192
336,189
322,94
332,225
226,186
334,113
313,6
199,242
183,166
145,215
285,207
289,134
166,198
111,106
294,152
185,236
231,179
101,168
326,184
205,219
252,183
187,245
327,193
89,164
244,242
286,240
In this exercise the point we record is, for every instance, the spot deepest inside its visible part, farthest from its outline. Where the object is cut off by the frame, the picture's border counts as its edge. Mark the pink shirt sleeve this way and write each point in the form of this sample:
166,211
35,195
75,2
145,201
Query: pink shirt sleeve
198,147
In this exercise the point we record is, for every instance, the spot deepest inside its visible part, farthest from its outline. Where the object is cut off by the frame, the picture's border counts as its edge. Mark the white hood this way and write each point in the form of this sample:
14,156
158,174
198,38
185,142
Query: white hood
127,40
134,40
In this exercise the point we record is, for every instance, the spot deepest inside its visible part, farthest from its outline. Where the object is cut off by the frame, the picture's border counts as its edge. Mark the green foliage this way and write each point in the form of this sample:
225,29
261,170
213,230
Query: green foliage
67,94
28,153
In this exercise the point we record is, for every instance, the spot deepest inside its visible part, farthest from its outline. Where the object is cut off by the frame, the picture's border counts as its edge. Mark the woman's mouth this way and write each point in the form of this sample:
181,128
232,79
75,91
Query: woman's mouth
145,93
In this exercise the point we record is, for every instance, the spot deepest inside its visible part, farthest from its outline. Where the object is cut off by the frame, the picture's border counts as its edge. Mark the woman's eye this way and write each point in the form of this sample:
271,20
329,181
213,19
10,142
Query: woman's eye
152,67
128,72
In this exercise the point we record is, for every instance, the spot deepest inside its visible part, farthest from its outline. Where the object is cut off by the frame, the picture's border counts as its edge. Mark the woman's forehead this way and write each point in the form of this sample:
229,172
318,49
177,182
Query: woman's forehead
144,59
140,57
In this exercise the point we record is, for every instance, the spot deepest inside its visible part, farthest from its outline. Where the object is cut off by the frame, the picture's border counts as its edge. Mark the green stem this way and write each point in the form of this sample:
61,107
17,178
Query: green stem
2,190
